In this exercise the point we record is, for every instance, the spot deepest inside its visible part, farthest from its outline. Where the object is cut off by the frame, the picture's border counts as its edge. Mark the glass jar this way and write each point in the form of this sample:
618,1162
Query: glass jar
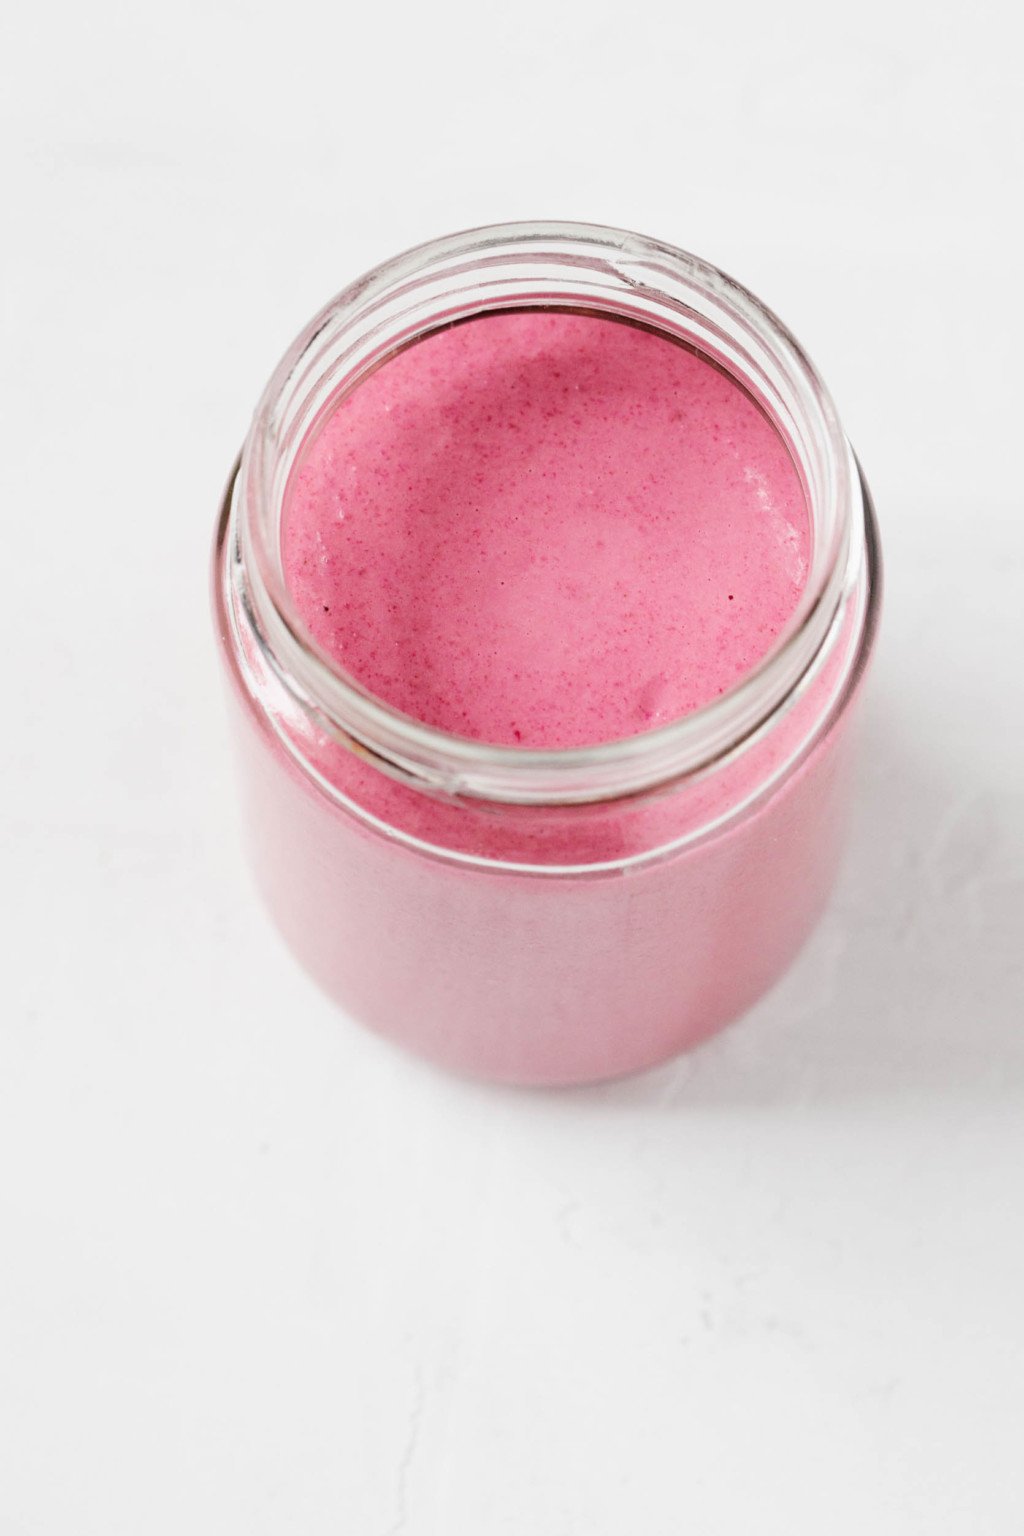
545,916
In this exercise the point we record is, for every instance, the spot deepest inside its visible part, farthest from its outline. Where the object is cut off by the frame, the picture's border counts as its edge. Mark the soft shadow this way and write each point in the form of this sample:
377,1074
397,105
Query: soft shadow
913,984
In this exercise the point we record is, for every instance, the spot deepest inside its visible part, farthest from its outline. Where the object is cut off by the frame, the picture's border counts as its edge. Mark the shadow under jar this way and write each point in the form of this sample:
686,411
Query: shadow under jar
537,908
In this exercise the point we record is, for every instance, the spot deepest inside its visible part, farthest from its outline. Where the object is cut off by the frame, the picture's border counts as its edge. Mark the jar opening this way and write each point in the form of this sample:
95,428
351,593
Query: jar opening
563,267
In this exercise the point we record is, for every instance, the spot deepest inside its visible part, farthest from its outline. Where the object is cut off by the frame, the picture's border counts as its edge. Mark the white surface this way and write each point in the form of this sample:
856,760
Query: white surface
260,1273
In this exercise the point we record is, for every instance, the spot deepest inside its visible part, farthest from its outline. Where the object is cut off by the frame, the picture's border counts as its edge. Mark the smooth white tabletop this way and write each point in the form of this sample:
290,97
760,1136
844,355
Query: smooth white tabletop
260,1273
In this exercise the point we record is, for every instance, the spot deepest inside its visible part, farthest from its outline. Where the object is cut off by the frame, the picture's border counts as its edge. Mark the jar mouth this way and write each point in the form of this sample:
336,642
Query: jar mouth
569,266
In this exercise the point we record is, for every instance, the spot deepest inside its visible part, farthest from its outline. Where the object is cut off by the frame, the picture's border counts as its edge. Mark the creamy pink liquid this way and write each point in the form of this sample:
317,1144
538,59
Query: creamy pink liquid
546,529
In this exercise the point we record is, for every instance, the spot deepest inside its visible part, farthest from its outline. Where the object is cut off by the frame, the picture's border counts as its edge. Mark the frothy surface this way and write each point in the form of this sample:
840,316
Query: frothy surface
546,529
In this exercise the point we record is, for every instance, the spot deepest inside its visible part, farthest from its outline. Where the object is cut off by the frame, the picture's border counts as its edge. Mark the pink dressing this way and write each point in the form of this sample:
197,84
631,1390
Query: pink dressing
546,529
541,528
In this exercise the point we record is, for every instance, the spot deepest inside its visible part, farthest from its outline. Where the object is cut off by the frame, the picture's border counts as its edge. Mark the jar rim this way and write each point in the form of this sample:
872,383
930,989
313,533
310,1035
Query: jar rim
529,265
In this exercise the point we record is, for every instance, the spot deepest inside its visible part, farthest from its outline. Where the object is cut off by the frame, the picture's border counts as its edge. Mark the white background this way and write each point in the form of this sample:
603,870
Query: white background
261,1274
